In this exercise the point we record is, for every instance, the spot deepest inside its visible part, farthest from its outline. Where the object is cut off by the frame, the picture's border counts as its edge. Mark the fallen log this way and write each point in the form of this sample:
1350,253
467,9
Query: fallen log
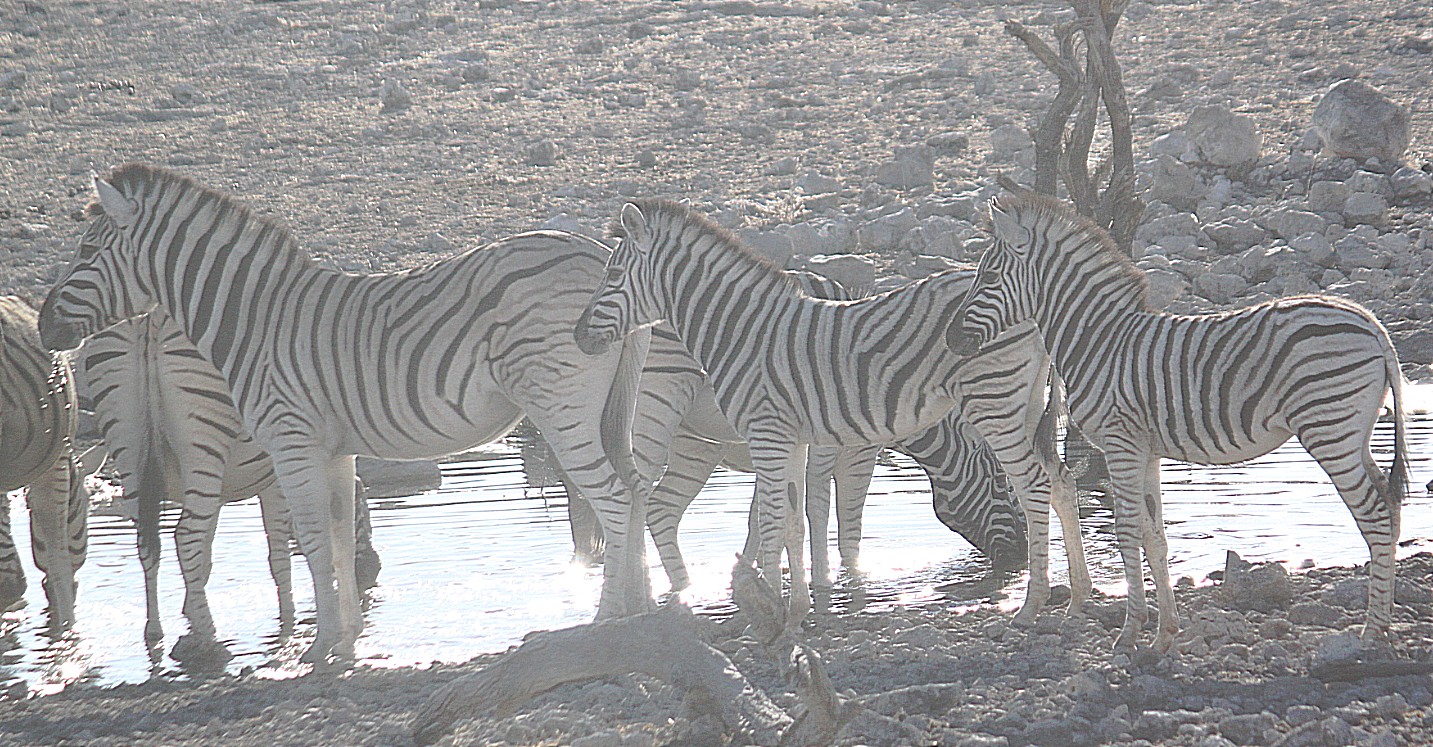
666,644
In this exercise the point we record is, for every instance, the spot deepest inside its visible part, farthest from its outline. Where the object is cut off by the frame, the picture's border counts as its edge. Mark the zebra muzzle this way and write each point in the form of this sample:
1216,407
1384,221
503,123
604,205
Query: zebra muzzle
959,341
56,335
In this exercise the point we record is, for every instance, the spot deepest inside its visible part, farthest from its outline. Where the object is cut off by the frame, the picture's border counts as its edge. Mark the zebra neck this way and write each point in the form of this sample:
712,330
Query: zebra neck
1085,323
721,310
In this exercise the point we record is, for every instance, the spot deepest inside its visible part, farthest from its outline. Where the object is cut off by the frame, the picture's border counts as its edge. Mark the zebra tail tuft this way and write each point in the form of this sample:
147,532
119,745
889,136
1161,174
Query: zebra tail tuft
1398,471
620,408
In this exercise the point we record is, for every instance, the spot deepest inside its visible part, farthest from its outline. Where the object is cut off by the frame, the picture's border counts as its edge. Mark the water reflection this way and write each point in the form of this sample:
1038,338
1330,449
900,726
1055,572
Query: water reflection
475,565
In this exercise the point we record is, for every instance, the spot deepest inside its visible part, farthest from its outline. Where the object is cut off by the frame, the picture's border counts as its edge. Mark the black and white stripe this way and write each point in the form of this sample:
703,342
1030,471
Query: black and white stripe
37,426
1211,389
324,365
790,371
172,436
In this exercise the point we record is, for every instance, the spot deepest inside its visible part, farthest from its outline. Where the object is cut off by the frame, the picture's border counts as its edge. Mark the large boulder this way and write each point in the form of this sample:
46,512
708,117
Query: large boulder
1356,120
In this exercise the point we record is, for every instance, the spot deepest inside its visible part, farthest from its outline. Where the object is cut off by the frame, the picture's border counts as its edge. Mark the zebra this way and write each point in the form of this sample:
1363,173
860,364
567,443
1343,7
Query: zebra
37,425
1213,388
323,365
969,491
169,427
790,371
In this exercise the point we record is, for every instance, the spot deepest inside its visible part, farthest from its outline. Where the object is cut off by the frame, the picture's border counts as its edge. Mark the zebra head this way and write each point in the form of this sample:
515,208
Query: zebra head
1002,295
620,306
99,287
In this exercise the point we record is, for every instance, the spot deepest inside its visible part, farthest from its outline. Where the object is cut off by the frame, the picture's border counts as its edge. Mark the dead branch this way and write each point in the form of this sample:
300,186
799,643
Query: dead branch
666,644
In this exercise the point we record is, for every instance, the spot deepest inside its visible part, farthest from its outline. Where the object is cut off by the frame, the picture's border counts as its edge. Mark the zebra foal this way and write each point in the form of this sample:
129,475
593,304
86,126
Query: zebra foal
790,371
1212,389
169,427
324,365
37,425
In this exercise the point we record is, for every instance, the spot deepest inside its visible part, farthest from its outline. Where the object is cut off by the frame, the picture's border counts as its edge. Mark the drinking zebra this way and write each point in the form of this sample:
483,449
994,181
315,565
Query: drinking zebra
37,425
323,365
172,435
970,493
1212,389
790,371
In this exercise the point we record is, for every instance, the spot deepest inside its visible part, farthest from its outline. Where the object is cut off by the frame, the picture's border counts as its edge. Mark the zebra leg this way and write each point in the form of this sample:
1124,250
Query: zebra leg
319,489
1064,496
1376,510
1156,552
692,461
58,510
1128,480
820,468
278,530
854,469
366,563
587,539
12,573
780,477
194,542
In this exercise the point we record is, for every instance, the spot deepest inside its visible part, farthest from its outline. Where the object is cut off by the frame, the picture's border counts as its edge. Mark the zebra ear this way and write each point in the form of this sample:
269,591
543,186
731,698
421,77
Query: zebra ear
634,224
119,208
1008,229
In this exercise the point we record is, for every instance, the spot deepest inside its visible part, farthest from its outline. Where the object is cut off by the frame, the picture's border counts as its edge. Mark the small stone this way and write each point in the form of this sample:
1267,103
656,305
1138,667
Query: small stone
1288,224
1008,139
1409,183
912,168
1356,120
186,94
1174,182
394,96
640,29
1314,613
1327,196
781,167
1314,248
949,143
542,153
1164,287
12,80
816,184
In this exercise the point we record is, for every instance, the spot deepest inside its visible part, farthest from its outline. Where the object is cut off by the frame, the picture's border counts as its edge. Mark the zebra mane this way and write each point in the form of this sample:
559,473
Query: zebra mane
1034,208
690,220
137,179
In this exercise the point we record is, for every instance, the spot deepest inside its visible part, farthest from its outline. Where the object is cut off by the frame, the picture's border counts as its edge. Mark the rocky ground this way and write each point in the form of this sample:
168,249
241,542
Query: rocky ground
1258,666
858,137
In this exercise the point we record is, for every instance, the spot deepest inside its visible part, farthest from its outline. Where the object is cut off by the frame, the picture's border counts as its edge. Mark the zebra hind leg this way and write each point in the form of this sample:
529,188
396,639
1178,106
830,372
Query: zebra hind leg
1366,492
1127,480
690,466
279,533
194,541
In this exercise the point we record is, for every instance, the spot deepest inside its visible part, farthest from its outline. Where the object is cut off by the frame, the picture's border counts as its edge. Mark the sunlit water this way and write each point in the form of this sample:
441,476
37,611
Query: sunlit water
471,567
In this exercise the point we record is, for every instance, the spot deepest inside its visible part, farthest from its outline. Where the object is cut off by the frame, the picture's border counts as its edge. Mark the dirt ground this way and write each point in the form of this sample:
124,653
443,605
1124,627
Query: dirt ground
388,134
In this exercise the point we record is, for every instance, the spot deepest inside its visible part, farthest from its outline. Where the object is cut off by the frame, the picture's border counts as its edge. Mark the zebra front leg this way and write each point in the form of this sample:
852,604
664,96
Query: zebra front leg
319,491
1064,496
278,531
854,469
1156,552
194,543
366,563
780,489
12,573
1128,475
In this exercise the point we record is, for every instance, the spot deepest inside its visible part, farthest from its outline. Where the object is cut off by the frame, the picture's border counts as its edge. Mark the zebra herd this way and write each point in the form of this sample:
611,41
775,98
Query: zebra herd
646,364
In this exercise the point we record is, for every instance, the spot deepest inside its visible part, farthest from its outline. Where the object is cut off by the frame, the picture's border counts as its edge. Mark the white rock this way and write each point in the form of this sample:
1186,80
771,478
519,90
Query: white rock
1222,137
1327,196
1364,207
1356,120
855,272
1314,248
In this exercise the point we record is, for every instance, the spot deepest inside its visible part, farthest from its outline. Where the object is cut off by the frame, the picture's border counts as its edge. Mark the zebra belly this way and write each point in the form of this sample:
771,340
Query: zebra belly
1243,448
440,432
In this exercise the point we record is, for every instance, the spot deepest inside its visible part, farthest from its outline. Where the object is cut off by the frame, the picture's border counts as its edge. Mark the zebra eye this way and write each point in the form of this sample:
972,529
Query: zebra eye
988,277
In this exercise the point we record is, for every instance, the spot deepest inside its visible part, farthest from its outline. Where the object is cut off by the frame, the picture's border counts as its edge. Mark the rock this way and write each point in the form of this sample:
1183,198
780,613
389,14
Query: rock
1235,235
541,153
1174,182
1339,648
1356,120
888,231
1314,249
1364,207
781,167
855,272
815,184
1164,287
1222,137
1329,732
1327,196
386,478
1314,613
1220,288
813,238
1008,140
1175,144
917,266
910,169
394,96
949,143
1415,347
1296,715
12,80
1407,183
1261,264
778,247
1263,587
1287,223
1178,224
1352,252
1352,593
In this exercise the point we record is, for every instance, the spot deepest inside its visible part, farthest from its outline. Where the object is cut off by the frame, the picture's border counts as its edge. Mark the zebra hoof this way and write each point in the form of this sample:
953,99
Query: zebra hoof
199,651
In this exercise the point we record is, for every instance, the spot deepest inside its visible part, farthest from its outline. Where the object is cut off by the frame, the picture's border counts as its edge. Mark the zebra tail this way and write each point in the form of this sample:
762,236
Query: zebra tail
619,410
1055,412
150,484
1398,471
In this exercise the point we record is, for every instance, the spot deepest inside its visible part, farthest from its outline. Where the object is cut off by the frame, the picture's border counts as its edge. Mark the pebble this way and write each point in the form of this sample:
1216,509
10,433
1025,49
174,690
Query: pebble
394,96
541,153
